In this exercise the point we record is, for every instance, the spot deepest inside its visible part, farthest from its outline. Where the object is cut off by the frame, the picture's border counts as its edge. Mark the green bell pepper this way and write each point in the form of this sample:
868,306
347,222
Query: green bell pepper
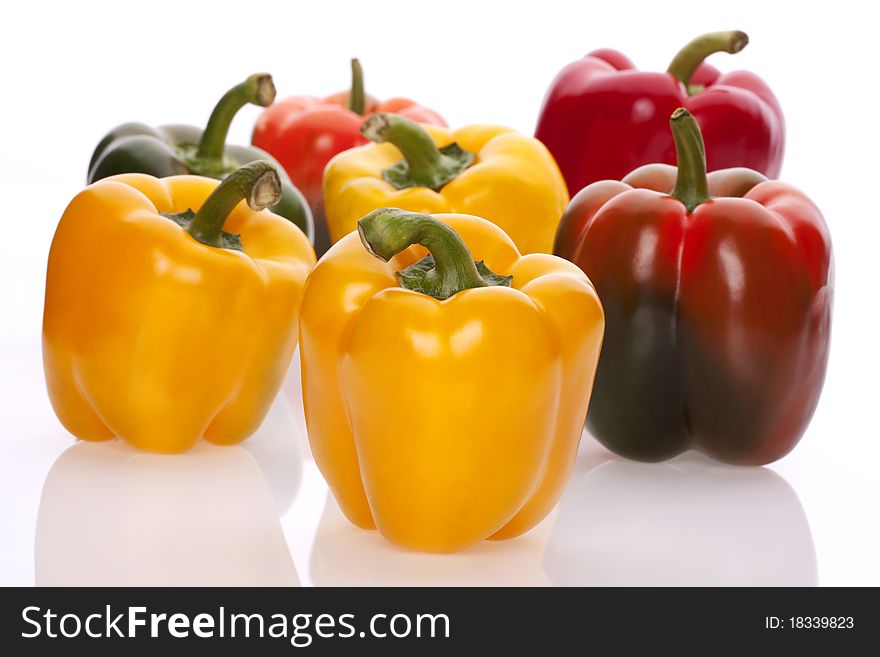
181,149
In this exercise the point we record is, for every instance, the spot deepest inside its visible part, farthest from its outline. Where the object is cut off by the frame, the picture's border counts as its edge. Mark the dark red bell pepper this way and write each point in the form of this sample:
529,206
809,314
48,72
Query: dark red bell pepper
601,118
717,293
304,132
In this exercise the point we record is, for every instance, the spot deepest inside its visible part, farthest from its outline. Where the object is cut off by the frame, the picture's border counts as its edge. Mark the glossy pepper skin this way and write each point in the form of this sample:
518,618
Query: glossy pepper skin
718,300
601,118
485,170
304,132
162,326
443,422
173,150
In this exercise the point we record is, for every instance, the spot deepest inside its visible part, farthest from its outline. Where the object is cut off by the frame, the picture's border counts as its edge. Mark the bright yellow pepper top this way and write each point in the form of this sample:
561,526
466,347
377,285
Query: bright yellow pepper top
491,172
445,421
160,337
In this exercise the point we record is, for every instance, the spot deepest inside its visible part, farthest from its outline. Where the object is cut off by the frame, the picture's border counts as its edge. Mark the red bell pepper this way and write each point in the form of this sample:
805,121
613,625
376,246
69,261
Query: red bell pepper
304,132
717,308
601,118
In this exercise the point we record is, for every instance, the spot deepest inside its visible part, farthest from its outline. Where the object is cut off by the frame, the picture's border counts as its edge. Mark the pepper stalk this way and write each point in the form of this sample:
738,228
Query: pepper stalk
257,182
357,97
691,183
257,89
685,63
423,163
450,267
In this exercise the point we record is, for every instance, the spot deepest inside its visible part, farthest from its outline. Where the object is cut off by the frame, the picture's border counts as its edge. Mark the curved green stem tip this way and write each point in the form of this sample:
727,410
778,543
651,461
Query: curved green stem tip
257,89
685,63
257,182
448,269
423,164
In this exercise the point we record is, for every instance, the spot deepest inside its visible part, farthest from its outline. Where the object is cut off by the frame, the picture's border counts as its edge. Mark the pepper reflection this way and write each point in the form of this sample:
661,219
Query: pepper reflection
113,516
686,522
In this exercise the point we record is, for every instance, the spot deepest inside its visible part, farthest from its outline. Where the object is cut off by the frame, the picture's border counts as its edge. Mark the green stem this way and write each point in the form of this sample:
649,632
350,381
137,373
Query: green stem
449,269
692,55
691,185
258,182
357,98
423,164
258,89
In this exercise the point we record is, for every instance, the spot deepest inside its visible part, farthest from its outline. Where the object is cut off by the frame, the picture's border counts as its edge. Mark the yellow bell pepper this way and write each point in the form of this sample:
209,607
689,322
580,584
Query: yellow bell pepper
445,402
162,325
484,170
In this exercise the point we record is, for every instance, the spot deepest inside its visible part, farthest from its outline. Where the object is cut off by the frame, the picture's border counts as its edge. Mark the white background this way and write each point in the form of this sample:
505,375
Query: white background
71,71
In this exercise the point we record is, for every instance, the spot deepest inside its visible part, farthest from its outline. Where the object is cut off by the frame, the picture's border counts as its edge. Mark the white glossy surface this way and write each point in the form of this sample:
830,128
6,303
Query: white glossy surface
110,515
260,513
687,522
